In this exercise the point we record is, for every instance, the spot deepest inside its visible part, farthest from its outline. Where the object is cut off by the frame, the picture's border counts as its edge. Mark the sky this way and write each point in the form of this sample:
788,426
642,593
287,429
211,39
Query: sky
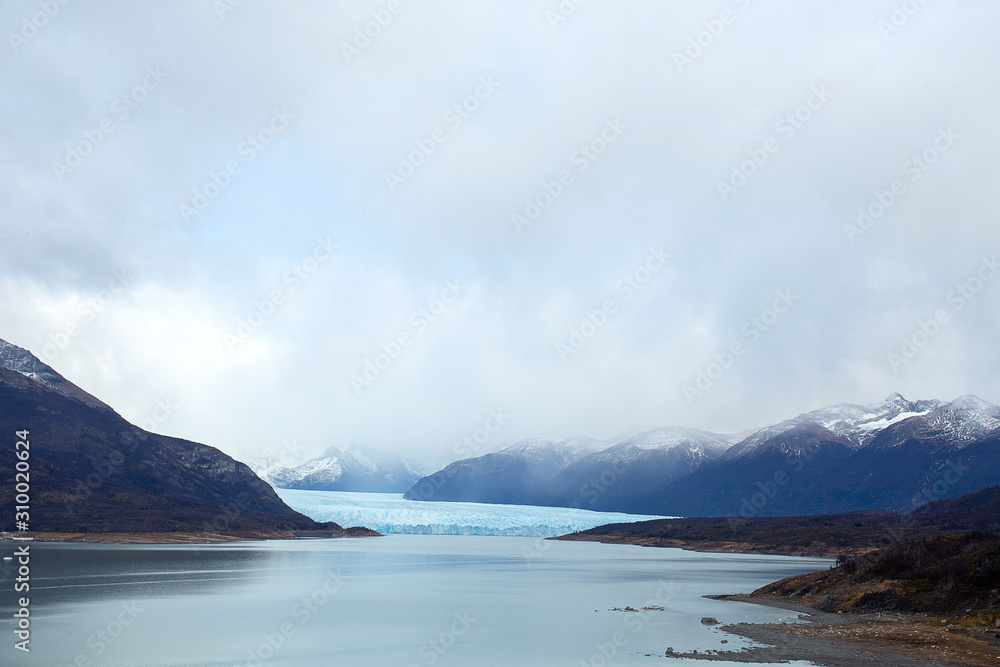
284,226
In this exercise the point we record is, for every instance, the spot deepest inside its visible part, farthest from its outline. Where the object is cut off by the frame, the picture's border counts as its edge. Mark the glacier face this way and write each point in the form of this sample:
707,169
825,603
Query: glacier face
390,513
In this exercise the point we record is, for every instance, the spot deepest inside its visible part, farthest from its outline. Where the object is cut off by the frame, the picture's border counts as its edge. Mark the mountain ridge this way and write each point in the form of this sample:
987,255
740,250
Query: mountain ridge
821,461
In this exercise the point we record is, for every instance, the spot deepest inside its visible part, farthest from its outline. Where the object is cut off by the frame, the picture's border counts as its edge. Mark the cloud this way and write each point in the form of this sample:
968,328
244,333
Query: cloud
173,104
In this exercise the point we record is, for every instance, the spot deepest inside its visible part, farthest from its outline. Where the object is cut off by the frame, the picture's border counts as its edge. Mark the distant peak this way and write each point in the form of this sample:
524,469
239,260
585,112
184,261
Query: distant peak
332,452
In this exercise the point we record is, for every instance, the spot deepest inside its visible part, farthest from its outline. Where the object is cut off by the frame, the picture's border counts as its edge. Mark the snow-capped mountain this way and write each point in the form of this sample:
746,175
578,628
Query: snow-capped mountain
857,424
524,470
962,422
635,470
895,454
690,439
345,470
888,455
577,472
548,452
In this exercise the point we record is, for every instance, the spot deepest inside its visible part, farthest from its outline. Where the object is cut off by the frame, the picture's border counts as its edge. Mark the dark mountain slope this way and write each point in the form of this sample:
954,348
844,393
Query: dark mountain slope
92,471
789,469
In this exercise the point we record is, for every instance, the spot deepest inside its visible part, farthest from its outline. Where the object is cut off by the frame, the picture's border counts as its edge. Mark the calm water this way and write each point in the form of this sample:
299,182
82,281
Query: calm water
400,600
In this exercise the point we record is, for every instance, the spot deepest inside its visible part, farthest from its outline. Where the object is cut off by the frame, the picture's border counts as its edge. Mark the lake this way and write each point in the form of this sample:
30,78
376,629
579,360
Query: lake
399,600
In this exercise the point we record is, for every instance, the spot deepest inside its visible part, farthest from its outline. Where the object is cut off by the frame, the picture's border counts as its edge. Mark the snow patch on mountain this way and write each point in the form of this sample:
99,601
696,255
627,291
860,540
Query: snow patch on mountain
562,452
18,359
670,437
963,421
22,361
351,469
877,424
675,442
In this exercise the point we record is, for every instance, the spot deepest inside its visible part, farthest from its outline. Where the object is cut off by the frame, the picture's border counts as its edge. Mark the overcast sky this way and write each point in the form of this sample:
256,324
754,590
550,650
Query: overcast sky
231,211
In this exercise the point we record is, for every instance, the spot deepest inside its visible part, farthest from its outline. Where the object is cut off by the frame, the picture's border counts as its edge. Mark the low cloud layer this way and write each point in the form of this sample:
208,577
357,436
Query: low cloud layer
375,223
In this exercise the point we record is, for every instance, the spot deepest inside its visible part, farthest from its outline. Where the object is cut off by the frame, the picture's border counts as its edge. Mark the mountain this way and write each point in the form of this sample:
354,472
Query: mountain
576,473
347,470
521,474
895,454
633,473
93,472
20,360
855,423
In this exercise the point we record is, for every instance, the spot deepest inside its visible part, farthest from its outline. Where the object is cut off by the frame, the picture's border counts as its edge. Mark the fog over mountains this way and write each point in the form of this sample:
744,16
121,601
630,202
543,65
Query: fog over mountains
92,471
895,454
336,469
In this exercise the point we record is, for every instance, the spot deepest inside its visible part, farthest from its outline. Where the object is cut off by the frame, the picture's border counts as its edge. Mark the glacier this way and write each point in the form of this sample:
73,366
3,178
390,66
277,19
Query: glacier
390,513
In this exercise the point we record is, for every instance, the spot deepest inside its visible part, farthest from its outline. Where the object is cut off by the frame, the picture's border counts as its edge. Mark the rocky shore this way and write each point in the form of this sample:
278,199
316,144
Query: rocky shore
849,640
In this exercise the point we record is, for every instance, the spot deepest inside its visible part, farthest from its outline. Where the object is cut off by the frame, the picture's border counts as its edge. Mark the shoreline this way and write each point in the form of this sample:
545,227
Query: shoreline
184,537
715,546
845,640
